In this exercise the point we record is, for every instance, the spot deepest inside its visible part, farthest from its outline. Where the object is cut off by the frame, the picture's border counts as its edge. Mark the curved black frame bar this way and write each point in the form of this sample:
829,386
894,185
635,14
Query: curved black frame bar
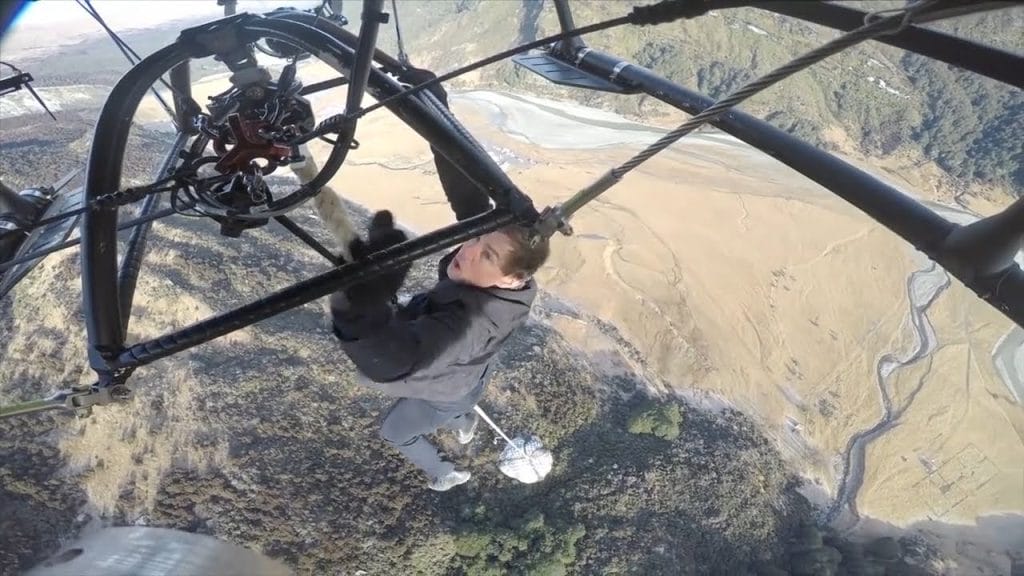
101,299
106,309
99,224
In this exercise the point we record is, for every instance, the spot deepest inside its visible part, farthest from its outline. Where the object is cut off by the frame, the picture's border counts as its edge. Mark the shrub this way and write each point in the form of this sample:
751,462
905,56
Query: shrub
661,420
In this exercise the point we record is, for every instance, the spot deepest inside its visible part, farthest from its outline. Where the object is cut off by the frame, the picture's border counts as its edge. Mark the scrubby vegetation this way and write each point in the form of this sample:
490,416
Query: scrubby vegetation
662,420
36,153
525,546
640,485
302,476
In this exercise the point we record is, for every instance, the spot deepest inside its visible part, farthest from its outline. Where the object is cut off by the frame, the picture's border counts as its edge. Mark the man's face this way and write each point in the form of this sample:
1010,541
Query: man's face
478,262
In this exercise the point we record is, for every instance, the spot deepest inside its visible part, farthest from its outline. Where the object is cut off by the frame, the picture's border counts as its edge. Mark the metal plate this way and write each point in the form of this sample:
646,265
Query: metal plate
143,551
564,73
43,238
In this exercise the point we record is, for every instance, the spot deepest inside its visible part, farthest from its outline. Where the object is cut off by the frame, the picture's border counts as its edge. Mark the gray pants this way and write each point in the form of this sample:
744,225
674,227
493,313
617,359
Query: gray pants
406,423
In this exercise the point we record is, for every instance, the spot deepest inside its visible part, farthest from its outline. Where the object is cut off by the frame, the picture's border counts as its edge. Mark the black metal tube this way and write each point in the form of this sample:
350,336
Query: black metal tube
309,290
389,63
1005,292
911,220
181,86
990,244
373,14
982,254
99,224
301,234
11,201
131,262
985,60
566,23
4,266
324,85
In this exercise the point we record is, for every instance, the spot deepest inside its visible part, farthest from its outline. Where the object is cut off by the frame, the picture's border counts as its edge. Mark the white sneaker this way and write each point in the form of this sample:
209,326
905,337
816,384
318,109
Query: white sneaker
449,480
467,437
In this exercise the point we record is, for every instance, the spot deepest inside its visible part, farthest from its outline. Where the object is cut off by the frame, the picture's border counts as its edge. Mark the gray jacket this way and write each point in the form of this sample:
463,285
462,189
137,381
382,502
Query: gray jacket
440,346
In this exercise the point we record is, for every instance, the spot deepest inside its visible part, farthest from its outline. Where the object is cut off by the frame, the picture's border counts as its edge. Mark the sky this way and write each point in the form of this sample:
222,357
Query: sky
140,13
53,22
44,25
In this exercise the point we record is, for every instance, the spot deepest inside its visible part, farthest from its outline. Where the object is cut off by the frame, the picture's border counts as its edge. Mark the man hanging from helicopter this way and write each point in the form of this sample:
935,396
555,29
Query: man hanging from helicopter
436,353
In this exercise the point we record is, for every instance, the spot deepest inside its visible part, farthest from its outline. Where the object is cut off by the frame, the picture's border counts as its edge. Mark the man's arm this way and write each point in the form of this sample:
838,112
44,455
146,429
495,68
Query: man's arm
388,348
466,198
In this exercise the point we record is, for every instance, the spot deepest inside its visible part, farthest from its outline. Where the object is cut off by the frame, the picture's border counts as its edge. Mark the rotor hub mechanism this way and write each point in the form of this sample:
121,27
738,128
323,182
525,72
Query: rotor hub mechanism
249,141
246,135
255,120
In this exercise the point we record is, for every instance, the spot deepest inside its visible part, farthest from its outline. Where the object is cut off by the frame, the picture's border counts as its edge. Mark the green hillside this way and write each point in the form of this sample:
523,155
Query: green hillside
881,99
